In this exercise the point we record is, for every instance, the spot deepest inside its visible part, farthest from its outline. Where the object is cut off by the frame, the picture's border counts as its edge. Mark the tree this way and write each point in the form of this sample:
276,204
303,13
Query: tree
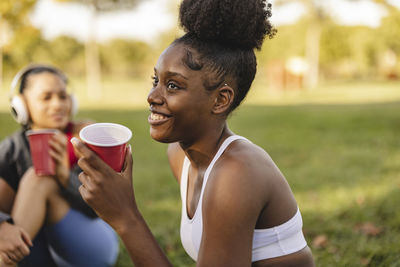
127,57
317,13
93,67
68,53
13,14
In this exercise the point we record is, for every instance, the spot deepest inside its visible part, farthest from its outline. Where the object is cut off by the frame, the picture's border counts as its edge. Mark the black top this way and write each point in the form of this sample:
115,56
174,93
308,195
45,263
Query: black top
15,160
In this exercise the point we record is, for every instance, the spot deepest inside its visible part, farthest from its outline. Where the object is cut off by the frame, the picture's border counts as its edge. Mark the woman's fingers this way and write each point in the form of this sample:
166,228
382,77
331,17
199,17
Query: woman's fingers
58,142
58,148
86,181
128,164
84,193
56,156
26,238
4,257
80,147
86,189
15,255
89,161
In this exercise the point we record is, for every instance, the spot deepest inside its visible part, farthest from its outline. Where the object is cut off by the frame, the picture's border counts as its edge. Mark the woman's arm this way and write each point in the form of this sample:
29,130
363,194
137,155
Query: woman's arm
111,195
7,196
14,241
232,202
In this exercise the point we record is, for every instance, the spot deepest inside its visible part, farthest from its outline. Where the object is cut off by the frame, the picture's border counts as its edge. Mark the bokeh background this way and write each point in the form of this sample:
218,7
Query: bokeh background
325,105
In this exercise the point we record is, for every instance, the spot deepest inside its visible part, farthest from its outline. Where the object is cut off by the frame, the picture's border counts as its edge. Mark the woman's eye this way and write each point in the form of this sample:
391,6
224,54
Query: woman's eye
155,80
172,86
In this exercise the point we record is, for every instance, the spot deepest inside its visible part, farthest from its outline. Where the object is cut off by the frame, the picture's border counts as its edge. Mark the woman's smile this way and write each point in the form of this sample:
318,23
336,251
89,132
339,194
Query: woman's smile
158,118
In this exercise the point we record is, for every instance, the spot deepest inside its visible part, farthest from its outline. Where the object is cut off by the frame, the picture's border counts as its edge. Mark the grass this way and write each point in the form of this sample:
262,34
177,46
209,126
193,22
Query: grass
341,160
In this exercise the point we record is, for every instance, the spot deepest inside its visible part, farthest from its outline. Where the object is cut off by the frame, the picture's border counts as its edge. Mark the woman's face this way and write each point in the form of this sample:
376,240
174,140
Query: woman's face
47,100
179,103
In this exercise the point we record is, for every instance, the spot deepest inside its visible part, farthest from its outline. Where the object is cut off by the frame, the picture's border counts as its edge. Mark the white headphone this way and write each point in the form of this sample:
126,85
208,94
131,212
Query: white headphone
19,111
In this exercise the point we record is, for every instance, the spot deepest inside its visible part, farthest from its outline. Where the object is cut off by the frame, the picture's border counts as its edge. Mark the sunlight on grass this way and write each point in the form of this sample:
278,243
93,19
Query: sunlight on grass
341,159
333,200
329,93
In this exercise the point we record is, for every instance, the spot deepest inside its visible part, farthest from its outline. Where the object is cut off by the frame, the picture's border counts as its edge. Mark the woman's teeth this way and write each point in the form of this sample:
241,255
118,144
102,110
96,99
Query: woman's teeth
157,117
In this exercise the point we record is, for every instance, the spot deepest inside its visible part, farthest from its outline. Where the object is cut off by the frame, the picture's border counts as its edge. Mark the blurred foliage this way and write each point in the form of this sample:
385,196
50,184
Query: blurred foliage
15,12
389,31
345,51
126,57
106,5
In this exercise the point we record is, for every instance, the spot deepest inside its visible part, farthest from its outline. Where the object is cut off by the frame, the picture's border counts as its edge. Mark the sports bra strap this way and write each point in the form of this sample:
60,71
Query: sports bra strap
220,151
185,172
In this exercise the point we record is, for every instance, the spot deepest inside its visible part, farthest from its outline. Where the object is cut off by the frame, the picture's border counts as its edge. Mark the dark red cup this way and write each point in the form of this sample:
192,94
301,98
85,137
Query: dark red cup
108,141
42,162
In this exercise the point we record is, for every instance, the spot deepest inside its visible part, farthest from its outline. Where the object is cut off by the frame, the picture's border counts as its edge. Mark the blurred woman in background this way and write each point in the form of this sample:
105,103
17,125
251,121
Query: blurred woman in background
47,209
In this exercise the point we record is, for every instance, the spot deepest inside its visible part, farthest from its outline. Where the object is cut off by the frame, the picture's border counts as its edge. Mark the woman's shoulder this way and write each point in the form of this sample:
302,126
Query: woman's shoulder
240,183
14,158
246,159
13,142
245,168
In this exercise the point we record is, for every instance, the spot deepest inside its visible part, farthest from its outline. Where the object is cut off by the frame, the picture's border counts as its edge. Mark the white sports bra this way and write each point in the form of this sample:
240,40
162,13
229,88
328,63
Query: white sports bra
268,243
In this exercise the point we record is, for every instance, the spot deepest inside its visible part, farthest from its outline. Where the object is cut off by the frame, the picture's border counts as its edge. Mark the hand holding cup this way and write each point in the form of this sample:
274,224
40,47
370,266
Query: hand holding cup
108,192
106,161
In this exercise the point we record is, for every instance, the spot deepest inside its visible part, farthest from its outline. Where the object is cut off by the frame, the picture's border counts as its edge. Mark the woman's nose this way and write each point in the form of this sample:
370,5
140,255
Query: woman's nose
155,96
57,102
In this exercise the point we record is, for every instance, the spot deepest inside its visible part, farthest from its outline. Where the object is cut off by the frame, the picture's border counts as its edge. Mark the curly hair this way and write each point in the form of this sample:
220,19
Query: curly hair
221,36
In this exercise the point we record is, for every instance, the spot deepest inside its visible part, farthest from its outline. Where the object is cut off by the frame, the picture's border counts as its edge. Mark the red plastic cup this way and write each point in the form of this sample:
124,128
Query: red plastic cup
43,163
108,141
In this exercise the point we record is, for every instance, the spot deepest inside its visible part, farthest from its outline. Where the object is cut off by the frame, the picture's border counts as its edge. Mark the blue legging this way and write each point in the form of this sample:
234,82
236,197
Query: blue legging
75,241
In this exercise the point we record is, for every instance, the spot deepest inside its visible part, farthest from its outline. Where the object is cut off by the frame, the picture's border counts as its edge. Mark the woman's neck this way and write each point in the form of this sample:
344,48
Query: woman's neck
38,127
202,151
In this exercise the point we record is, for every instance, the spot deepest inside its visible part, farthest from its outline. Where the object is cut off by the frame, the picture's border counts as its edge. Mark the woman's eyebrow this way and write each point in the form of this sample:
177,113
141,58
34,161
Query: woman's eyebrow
171,73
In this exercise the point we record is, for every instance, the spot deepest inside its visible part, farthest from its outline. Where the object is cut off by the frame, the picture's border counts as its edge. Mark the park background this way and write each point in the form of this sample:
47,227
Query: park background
325,105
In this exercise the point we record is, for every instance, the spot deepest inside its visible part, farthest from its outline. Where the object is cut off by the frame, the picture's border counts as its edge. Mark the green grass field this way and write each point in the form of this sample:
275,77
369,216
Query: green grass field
341,160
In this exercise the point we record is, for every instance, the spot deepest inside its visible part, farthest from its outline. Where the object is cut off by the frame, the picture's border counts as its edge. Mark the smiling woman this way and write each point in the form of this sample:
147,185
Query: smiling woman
237,208
47,209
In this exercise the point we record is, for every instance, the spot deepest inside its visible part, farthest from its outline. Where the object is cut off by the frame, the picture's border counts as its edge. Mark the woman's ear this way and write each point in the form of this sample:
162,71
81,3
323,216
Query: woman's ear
223,100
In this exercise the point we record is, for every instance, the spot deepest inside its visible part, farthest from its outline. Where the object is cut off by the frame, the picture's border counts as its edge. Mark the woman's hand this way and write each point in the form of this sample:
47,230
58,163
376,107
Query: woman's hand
14,243
58,151
108,192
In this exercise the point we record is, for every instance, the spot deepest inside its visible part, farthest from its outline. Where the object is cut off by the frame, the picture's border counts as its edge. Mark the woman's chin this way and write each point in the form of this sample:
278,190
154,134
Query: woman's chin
157,136
59,125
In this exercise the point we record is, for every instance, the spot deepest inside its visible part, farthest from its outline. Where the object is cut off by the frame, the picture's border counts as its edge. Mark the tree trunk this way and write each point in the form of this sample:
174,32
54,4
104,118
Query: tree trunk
93,68
1,67
312,54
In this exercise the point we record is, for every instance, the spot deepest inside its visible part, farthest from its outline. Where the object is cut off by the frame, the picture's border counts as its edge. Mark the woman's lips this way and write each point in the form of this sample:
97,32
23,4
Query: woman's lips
58,116
157,118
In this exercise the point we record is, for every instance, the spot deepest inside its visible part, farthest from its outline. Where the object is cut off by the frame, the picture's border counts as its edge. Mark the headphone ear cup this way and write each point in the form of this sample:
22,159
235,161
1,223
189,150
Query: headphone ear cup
74,104
19,110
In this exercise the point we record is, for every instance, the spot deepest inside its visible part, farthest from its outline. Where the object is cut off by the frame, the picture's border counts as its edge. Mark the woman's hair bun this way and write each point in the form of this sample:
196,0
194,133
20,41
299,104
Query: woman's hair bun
236,23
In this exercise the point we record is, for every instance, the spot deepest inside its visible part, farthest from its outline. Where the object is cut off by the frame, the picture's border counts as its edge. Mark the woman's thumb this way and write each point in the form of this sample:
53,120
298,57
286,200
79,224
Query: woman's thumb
128,164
